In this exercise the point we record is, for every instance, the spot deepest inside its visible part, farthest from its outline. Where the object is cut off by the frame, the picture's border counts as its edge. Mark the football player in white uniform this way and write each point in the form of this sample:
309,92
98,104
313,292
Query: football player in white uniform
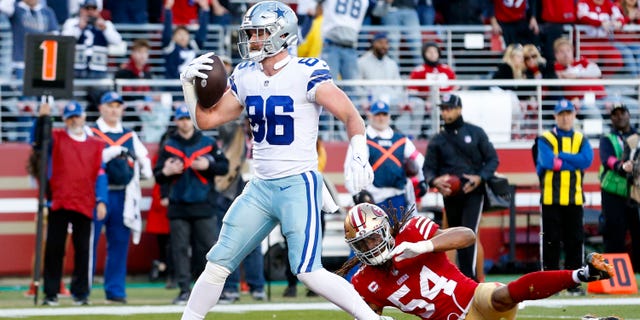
282,97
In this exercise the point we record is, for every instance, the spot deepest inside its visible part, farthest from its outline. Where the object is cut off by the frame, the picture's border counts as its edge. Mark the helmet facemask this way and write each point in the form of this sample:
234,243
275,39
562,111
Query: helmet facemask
368,233
275,27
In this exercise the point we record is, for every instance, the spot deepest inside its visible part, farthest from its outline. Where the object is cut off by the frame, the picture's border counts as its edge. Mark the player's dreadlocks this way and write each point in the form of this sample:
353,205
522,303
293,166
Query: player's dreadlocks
395,228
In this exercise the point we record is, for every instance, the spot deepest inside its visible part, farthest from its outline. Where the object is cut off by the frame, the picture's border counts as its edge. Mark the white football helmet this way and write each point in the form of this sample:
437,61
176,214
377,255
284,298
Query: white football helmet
275,19
368,232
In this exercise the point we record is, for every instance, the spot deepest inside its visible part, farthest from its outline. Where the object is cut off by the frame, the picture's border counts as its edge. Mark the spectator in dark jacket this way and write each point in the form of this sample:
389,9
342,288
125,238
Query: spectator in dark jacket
189,161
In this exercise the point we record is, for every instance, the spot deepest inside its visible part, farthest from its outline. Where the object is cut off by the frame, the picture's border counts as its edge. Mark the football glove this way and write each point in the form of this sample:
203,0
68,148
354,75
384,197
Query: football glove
203,62
359,173
408,250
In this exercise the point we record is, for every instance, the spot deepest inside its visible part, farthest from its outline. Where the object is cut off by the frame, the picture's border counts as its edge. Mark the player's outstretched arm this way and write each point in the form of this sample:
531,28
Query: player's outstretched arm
336,101
443,240
226,109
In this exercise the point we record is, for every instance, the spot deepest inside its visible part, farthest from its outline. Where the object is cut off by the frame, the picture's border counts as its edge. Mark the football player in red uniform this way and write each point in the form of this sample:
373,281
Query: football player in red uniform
406,267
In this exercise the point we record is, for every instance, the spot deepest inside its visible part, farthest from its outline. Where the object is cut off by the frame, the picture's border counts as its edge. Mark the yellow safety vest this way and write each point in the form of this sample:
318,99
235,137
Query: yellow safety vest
562,187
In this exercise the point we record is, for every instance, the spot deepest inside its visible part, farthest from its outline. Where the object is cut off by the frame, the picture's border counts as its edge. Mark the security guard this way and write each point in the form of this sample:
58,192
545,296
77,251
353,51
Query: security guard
563,155
464,150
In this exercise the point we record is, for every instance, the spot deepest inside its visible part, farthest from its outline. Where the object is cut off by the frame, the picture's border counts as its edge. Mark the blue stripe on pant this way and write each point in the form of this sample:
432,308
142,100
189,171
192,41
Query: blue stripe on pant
117,235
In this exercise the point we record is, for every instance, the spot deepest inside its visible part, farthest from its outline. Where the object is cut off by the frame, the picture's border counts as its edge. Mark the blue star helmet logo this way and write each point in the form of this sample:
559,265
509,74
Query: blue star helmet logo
279,12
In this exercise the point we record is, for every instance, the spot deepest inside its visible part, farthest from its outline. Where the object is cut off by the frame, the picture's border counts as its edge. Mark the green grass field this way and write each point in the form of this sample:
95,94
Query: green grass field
152,301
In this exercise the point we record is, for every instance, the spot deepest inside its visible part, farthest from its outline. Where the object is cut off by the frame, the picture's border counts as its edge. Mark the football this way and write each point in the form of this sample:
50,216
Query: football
411,168
455,183
210,90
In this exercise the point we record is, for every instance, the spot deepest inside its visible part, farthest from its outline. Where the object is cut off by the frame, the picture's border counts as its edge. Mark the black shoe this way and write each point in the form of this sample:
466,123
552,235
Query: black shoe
182,298
51,302
290,292
154,274
81,301
258,295
595,269
116,300
228,297
591,317
576,291
311,294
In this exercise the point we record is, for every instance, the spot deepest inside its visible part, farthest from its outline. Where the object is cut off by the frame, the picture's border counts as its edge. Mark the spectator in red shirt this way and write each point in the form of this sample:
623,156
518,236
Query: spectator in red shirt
567,67
552,15
513,20
631,13
602,18
136,68
432,69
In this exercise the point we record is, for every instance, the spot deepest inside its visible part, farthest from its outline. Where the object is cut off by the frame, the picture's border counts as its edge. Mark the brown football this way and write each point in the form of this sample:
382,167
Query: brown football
455,183
210,90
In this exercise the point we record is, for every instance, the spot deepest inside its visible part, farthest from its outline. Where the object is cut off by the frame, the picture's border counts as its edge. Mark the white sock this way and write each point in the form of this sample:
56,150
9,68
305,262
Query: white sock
205,292
340,292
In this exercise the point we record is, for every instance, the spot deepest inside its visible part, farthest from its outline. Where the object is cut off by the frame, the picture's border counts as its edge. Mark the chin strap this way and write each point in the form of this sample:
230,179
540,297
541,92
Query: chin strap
190,99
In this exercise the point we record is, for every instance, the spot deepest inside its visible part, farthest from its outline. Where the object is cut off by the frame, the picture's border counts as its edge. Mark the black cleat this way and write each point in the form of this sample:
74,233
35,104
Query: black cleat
595,269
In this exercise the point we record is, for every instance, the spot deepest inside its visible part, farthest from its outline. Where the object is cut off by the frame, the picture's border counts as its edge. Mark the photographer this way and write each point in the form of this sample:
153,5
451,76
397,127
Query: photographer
94,35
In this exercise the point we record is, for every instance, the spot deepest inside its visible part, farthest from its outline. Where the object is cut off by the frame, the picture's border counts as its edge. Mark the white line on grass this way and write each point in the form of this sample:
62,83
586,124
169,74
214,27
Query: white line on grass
128,310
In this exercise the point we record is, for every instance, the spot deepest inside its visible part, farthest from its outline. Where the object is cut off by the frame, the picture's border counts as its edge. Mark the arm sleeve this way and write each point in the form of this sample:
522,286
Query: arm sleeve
430,163
167,30
8,7
111,34
582,13
201,34
490,156
545,155
608,154
102,186
412,154
220,163
157,171
581,160
70,28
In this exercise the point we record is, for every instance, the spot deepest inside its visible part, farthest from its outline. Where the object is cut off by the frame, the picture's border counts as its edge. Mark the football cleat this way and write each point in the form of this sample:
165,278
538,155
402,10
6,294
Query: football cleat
596,268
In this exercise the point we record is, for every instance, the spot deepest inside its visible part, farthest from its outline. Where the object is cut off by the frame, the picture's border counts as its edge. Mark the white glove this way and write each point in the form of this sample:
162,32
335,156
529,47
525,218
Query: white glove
359,173
194,67
408,250
111,152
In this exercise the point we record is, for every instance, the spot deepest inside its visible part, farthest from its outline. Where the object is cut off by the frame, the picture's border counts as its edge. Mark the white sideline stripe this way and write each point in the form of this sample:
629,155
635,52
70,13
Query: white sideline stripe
523,199
26,205
129,310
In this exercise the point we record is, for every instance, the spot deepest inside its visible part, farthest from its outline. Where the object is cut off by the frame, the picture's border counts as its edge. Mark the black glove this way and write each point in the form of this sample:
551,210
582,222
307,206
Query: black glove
362,197
422,188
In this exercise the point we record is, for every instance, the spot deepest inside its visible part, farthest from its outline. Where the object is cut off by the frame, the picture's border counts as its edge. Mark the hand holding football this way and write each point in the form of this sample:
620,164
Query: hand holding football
454,183
210,89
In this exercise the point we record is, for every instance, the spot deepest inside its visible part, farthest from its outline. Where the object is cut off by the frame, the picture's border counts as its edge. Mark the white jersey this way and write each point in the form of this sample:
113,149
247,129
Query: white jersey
283,114
342,20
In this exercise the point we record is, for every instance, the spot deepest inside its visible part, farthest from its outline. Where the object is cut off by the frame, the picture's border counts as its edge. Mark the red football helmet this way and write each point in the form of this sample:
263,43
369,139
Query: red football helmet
368,233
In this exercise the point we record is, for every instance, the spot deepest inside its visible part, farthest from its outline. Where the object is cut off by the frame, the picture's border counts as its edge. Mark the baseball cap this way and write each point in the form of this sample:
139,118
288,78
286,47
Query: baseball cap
90,3
378,36
72,109
618,105
181,112
450,101
111,96
563,105
379,107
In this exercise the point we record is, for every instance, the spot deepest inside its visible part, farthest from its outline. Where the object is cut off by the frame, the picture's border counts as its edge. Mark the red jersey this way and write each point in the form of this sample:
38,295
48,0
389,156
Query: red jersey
558,11
594,15
580,67
441,72
509,10
75,166
428,286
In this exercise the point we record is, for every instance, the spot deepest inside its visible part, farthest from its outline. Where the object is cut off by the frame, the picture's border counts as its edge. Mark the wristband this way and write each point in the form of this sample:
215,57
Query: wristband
359,146
428,246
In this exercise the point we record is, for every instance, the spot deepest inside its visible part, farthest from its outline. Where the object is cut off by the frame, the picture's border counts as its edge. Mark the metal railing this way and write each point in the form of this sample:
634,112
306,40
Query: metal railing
510,117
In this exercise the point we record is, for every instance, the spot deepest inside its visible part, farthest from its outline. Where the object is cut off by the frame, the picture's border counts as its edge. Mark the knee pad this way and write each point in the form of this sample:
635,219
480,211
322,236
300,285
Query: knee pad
215,273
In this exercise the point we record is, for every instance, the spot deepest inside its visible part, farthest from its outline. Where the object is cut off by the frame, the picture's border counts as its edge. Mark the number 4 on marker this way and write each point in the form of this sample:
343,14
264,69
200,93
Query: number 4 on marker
49,58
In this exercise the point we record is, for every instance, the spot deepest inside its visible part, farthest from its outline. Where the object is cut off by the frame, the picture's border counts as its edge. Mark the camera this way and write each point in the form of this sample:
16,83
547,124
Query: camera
92,21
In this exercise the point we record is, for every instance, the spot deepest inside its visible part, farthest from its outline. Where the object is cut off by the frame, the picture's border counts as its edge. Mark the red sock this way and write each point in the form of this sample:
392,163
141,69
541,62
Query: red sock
540,284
